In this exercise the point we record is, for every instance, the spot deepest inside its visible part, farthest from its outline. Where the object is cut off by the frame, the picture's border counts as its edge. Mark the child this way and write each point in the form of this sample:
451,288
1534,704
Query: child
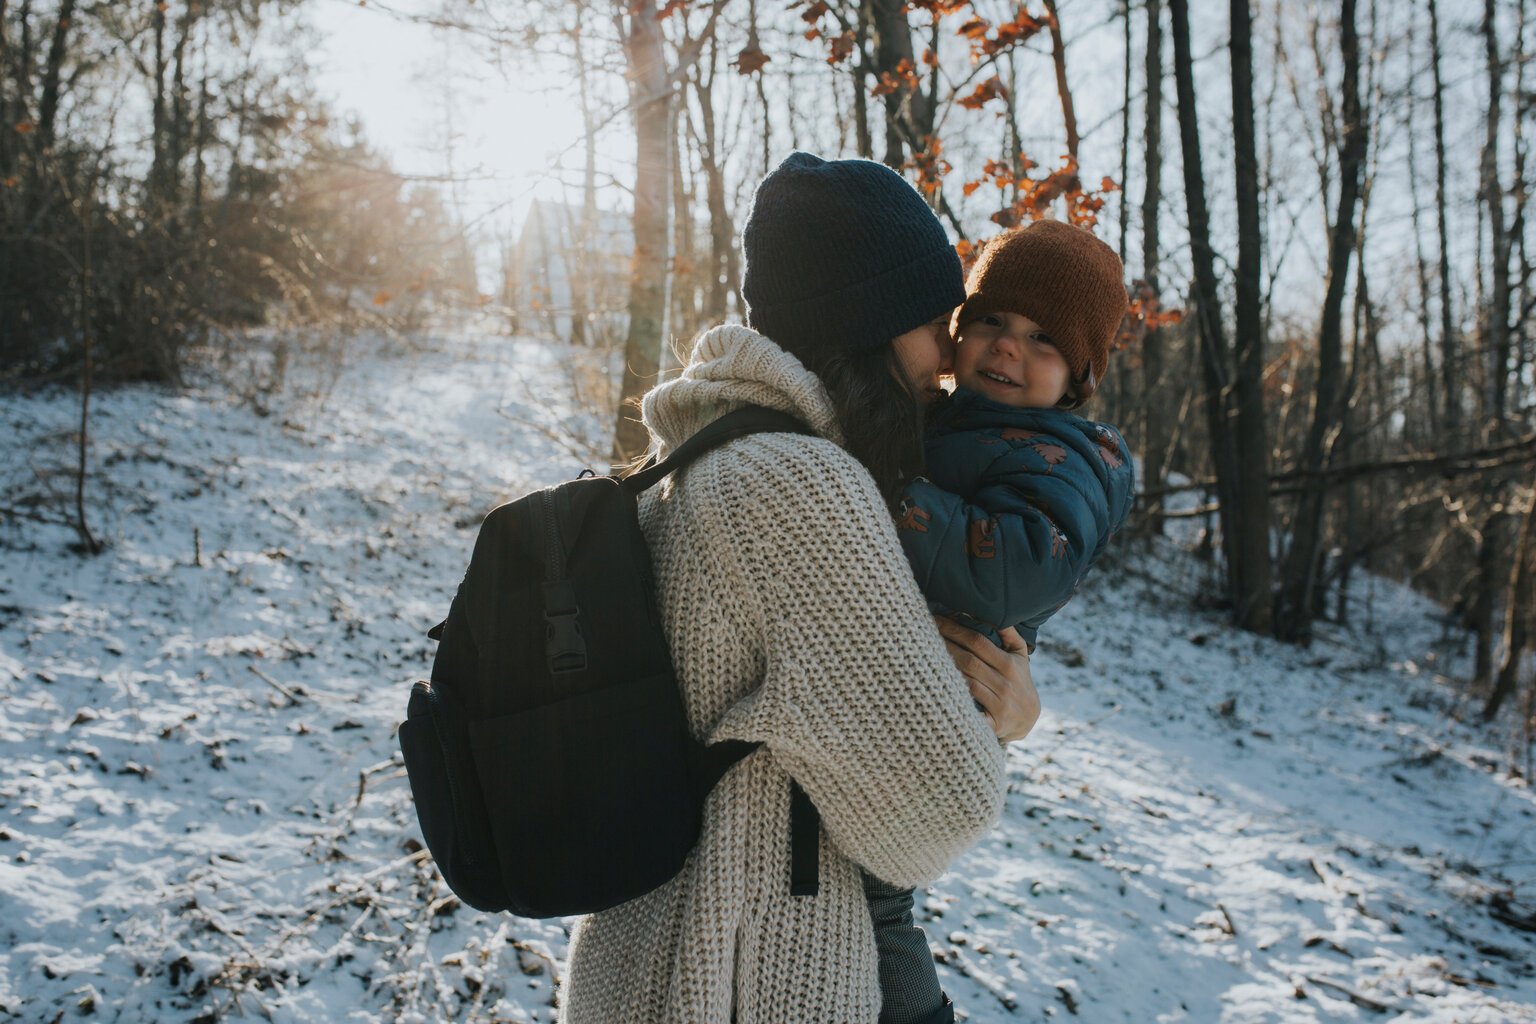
1022,495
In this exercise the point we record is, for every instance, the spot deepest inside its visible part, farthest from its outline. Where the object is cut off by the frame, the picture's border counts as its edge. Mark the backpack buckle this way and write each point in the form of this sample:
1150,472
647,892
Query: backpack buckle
564,648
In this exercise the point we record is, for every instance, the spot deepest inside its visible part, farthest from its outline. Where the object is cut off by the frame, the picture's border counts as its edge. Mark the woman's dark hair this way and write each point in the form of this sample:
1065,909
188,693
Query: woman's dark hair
880,416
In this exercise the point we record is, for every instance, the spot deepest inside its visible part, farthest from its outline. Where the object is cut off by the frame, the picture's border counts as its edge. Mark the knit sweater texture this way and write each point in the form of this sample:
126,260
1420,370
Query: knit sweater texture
794,620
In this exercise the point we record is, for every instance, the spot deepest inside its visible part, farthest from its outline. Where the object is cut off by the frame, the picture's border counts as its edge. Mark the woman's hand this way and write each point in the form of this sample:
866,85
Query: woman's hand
999,677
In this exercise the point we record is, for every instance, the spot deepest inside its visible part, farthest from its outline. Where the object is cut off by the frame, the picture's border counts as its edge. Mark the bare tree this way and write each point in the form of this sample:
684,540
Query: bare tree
1253,611
1213,352
650,90
1158,426
1495,318
1299,581
1449,374
1519,606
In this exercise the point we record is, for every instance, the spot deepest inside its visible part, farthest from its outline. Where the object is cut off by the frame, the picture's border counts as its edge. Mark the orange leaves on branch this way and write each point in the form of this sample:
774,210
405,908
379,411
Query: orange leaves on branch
750,59
988,40
1021,29
24,127
1035,196
975,30
993,88
813,11
1002,173
1145,314
1147,309
381,298
670,8
904,78
939,8
1008,216
998,173
930,59
930,165
840,48
812,16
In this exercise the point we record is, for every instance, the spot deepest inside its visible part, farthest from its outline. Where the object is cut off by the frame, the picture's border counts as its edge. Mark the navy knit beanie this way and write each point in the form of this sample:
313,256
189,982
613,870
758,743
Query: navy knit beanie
843,254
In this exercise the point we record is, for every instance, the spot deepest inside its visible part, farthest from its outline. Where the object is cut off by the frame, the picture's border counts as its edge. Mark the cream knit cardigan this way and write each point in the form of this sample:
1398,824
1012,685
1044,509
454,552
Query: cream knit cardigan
793,619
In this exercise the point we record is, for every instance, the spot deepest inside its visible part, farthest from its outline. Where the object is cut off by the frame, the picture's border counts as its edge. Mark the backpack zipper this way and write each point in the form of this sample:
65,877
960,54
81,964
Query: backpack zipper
554,550
564,648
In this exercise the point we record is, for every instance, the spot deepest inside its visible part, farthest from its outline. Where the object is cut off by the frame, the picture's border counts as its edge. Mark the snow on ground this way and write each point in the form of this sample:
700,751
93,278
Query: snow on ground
203,815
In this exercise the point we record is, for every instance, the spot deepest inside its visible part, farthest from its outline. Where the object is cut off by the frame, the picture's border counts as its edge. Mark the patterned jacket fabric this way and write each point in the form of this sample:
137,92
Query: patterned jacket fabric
775,559
1018,503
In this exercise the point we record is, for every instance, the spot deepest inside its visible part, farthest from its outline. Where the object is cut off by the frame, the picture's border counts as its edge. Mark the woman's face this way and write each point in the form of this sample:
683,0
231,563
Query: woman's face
925,356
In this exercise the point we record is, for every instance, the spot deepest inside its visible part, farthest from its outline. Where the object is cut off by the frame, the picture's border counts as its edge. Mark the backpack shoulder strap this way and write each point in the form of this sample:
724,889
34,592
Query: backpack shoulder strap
710,763
749,419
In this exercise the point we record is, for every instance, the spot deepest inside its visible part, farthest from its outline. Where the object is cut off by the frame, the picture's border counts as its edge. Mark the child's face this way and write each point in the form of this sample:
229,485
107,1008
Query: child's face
1009,359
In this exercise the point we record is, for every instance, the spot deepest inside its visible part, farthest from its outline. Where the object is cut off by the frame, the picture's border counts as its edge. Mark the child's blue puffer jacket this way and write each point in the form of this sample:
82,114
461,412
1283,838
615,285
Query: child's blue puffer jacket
1018,503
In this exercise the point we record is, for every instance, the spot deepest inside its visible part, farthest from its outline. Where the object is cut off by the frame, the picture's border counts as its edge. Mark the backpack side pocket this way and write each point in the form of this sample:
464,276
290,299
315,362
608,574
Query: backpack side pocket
450,804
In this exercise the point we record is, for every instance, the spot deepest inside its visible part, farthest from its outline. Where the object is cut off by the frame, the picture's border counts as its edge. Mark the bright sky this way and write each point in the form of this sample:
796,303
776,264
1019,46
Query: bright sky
502,132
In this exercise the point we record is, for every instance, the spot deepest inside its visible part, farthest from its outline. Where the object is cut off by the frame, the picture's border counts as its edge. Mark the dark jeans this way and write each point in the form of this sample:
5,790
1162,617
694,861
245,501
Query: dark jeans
909,982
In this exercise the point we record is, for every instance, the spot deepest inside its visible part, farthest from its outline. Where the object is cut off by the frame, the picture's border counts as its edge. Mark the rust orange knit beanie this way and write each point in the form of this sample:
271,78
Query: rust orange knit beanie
1064,279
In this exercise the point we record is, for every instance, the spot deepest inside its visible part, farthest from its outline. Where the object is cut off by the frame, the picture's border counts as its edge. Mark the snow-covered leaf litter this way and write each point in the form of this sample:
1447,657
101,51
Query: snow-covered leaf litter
202,811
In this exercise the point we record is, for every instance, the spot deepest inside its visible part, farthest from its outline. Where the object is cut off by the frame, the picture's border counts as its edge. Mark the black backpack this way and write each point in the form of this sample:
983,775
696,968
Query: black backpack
550,758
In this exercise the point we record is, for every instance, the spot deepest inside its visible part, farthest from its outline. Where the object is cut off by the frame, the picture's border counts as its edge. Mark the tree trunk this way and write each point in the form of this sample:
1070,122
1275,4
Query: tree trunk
23,62
762,92
651,101
1125,134
155,184
1520,188
1519,603
1482,593
200,144
48,105
1207,302
1158,425
1298,596
181,118
1253,611
1015,142
1449,374
721,229
1496,317
1059,62
1421,263
88,542
893,44
861,74
581,242
684,290
8,120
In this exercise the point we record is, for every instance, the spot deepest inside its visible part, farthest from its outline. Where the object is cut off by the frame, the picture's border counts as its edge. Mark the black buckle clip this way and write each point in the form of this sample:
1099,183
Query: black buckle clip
564,648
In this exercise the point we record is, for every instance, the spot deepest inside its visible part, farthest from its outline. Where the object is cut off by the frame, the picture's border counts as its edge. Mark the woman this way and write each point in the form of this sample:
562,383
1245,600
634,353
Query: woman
794,620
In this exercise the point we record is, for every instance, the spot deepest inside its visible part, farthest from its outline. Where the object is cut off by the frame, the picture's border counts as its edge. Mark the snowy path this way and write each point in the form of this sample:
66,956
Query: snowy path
202,814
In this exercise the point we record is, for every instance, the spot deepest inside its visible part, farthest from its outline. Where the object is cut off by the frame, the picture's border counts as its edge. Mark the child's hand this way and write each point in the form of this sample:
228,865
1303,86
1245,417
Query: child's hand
999,678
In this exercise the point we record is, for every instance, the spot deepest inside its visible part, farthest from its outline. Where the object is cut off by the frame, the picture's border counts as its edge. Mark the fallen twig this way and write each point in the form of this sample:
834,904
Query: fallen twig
1359,999
293,698
1231,928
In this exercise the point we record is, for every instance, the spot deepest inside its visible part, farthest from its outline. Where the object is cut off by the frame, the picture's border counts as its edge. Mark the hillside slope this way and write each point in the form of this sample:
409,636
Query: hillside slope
202,811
